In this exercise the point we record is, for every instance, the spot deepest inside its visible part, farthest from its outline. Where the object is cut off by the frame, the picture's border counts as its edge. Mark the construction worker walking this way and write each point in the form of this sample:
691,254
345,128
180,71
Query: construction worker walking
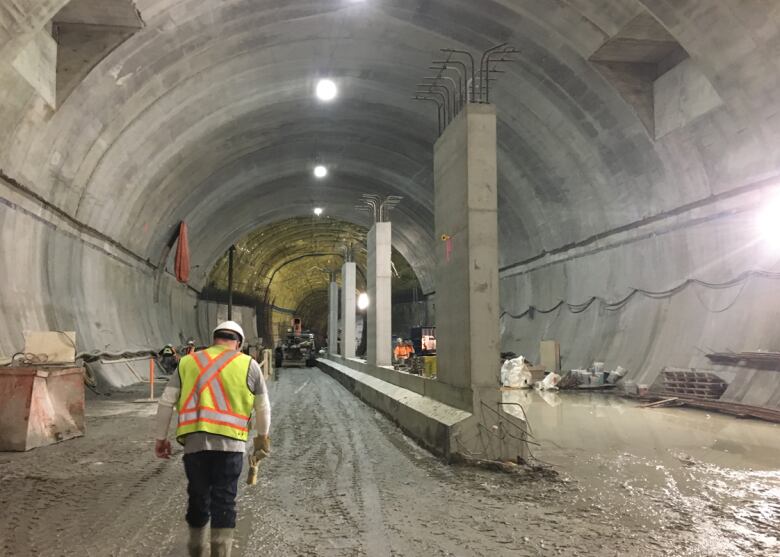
214,392
189,348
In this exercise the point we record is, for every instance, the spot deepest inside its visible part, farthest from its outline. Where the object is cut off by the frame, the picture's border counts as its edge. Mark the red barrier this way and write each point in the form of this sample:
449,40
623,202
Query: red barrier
41,406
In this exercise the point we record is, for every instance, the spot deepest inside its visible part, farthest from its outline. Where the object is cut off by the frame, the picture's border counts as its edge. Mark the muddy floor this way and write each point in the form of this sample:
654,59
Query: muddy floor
343,481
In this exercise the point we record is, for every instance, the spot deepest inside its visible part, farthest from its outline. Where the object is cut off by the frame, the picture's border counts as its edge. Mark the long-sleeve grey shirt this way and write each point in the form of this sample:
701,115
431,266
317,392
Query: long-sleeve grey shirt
203,441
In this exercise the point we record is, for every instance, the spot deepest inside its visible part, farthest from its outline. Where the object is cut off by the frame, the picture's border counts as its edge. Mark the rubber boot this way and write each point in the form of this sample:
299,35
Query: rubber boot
221,542
198,544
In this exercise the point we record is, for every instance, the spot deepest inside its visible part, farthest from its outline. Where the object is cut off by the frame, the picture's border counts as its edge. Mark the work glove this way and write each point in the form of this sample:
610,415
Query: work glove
262,447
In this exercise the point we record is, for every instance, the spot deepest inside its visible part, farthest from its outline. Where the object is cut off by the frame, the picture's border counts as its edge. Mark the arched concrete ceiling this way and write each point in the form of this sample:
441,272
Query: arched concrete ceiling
288,263
207,115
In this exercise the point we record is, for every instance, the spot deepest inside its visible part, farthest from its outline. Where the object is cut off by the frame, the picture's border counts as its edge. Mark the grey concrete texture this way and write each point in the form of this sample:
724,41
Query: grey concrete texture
348,310
333,318
379,279
207,114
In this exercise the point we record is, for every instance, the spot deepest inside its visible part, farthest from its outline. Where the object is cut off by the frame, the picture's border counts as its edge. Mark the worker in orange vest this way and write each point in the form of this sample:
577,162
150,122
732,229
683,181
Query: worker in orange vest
402,352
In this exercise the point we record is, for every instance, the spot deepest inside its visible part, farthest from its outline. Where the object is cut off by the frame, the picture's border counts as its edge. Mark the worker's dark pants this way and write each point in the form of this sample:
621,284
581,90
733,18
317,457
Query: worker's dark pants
213,484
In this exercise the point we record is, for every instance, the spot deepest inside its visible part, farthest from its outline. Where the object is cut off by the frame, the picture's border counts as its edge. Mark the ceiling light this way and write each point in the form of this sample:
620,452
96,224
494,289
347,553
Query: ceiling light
320,171
363,301
326,90
318,211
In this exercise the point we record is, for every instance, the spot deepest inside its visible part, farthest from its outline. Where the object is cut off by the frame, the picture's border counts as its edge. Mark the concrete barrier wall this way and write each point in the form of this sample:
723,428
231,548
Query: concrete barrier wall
431,388
430,422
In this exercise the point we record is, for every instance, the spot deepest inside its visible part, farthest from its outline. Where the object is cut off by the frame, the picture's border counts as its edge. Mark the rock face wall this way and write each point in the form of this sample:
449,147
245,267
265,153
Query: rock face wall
610,179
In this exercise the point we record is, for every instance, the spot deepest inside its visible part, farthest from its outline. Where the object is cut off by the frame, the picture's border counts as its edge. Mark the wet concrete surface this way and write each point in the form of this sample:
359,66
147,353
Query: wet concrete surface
342,480
709,480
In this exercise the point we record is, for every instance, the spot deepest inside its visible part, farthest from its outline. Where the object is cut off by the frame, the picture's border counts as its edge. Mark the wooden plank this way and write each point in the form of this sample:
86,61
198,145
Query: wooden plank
659,403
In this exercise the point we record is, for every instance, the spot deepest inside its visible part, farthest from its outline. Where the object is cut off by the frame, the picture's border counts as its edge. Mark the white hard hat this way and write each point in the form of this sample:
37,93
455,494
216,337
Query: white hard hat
231,326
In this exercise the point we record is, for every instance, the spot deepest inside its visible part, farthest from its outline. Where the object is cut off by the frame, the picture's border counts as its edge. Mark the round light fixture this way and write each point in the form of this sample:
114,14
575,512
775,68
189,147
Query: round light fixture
318,211
320,171
326,90
363,301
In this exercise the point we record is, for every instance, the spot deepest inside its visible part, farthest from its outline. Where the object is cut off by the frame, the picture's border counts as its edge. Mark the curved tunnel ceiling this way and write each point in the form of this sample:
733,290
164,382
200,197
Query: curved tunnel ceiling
207,115
288,263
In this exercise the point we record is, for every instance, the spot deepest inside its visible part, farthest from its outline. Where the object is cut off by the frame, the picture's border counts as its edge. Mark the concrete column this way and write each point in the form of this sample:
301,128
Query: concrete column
333,317
348,309
466,213
379,280
467,311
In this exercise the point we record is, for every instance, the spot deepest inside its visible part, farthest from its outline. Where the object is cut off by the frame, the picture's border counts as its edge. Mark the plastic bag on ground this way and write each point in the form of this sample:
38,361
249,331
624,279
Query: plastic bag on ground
616,375
549,383
515,374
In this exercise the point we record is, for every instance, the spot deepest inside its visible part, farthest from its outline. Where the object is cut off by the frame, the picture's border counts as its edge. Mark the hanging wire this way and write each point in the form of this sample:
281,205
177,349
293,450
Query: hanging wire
657,295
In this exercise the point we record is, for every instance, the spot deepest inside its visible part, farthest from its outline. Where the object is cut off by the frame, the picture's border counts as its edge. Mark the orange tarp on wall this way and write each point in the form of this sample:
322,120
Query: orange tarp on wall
182,265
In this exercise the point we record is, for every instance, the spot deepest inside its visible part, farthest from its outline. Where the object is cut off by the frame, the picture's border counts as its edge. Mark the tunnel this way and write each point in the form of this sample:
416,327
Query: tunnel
637,191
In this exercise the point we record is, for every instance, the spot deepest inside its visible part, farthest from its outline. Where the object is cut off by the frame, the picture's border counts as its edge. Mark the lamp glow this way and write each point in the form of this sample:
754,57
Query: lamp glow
320,171
318,211
769,224
326,90
363,301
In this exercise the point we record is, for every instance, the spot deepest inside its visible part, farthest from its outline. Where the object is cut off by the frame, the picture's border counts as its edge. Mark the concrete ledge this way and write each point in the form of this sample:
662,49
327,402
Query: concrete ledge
428,421
430,388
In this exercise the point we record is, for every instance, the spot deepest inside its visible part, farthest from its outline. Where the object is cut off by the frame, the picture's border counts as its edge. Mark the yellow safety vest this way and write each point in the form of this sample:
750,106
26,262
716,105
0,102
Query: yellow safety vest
214,395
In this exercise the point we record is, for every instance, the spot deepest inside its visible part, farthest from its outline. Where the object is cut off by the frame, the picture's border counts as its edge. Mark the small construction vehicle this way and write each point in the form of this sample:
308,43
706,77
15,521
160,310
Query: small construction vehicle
298,348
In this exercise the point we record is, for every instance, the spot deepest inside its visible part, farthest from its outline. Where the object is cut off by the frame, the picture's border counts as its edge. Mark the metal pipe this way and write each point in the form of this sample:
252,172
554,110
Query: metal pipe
437,89
231,251
460,68
471,59
482,67
455,90
443,97
438,108
507,50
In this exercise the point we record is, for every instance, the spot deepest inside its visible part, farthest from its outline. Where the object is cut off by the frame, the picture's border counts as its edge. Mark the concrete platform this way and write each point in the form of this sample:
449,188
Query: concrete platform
429,422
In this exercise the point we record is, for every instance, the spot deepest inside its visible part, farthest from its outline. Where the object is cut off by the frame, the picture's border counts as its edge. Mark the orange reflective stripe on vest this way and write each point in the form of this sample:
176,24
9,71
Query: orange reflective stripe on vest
192,412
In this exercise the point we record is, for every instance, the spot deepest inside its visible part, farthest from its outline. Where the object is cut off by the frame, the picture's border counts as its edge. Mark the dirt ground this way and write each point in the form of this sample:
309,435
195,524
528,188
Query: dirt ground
344,481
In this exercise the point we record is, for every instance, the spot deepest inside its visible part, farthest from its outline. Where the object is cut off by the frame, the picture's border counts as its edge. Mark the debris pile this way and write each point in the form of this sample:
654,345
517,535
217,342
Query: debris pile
593,378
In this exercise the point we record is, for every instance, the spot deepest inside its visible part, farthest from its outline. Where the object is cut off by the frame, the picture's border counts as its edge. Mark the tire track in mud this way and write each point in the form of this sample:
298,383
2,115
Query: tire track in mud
341,481
85,496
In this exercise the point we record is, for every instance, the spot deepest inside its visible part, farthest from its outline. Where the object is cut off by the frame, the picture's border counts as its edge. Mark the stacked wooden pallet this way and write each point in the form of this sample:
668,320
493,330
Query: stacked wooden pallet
690,383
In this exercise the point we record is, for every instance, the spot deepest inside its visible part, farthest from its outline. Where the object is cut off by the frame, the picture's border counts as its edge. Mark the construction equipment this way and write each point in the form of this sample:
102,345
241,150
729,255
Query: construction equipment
298,348
424,340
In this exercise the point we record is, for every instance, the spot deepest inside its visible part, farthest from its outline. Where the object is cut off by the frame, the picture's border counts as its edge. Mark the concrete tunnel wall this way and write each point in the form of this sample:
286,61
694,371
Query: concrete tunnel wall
206,114
63,278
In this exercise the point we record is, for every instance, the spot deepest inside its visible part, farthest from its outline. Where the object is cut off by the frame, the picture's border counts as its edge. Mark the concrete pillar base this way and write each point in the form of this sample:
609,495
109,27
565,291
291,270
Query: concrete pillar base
490,433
